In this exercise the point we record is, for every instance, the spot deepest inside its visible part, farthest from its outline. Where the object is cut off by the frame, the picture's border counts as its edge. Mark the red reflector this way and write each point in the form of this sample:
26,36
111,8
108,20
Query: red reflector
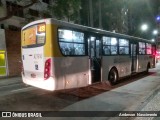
47,69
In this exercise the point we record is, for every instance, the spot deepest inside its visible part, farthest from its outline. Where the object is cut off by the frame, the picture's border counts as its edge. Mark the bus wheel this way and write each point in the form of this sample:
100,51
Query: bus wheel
113,76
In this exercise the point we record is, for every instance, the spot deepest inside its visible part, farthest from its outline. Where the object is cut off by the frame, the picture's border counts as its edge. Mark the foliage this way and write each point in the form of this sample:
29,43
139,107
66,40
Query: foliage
138,12
84,12
1,4
11,13
141,12
113,17
65,9
61,9
111,13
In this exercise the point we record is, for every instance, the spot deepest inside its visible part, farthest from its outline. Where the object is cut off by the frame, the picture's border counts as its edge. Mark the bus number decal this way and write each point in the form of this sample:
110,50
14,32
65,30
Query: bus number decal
36,67
41,28
37,56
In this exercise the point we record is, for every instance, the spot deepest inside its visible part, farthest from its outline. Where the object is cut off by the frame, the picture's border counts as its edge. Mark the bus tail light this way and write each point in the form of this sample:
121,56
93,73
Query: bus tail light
47,69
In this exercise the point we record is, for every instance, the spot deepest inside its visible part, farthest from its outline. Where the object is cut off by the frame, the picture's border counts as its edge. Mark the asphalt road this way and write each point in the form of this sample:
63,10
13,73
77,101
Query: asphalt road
13,88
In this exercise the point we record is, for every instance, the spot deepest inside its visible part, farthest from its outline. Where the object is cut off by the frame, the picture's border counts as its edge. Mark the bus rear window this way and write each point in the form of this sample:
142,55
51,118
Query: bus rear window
34,36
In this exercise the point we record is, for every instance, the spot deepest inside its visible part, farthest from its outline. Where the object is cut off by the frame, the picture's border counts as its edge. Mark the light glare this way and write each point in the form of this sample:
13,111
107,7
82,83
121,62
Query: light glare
144,27
155,32
113,41
68,34
158,18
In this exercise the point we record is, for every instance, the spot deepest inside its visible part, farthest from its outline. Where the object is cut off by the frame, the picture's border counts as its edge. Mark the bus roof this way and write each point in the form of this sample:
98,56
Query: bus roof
84,28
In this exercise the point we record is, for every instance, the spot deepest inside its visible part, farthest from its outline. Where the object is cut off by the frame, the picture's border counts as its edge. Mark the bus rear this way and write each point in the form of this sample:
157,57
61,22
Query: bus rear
36,64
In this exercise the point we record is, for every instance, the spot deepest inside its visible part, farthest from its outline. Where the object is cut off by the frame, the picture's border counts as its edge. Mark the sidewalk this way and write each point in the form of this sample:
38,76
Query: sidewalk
10,80
152,105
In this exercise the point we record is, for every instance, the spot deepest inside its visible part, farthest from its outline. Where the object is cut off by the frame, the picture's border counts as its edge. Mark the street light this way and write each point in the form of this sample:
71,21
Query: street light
144,27
158,18
155,32
153,40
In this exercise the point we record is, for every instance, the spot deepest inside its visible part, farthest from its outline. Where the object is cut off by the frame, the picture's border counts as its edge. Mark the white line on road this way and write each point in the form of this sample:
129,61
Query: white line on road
23,89
9,85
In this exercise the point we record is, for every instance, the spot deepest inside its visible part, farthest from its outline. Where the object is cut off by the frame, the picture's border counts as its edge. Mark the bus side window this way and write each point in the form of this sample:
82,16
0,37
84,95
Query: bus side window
76,51
113,50
106,50
140,51
71,42
123,46
79,49
63,50
121,50
144,51
67,51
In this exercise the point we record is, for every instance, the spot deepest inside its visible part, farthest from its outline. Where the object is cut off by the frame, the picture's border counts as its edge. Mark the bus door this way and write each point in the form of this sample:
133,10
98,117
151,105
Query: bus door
133,48
94,52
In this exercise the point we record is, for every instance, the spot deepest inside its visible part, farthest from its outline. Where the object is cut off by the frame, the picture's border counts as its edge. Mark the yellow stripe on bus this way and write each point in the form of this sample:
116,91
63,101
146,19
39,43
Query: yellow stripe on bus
51,48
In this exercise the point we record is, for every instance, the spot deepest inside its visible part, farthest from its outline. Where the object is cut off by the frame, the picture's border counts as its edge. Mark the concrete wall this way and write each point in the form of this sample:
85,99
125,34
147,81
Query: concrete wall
13,46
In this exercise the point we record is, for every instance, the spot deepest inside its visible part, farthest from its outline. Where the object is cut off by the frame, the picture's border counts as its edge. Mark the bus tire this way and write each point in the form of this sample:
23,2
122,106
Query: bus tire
113,76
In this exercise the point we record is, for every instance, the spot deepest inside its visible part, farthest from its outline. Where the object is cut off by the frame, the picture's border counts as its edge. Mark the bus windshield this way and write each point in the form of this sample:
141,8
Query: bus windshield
33,36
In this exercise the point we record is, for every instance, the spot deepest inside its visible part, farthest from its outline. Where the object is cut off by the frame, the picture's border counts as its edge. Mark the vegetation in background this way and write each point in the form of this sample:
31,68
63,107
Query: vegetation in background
11,13
77,11
66,9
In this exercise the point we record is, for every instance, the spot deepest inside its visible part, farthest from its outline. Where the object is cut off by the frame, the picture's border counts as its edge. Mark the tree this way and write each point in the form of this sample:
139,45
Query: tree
116,12
61,9
111,14
141,12
11,13
66,9
84,13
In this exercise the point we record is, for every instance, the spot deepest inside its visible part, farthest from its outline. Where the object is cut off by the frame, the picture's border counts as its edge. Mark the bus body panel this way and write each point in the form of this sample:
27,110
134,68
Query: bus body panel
71,72
54,41
34,58
121,63
33,62
49,84
51,47
143,61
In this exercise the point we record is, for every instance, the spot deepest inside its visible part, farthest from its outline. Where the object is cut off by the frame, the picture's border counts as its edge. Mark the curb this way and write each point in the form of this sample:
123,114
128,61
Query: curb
148,99
10,80
8,77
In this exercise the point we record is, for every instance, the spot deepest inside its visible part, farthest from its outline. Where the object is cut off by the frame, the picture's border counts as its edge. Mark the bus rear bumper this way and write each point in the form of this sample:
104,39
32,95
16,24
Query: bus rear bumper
48,84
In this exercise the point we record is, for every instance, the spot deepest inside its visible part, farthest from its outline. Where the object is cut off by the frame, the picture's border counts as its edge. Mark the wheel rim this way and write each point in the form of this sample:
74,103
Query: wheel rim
113,77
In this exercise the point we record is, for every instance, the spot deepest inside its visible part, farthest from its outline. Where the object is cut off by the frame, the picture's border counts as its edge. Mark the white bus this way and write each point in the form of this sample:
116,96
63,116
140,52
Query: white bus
59,55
